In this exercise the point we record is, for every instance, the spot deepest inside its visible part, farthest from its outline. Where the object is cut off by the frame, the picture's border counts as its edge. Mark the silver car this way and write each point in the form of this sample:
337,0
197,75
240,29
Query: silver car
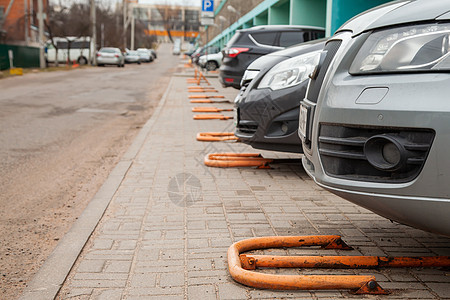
145,55
132,57
375,122
110,56
210,62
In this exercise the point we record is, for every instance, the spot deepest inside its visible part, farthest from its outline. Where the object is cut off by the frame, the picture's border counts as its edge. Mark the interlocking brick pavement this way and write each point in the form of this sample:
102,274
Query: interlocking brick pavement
152,243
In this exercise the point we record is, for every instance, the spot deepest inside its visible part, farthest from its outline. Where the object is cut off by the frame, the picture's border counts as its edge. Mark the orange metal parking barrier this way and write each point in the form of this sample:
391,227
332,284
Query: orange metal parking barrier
212,117
216,136
203,96
240,264
210,109
209,101
202,91
199,87
230,160
234,160
198,77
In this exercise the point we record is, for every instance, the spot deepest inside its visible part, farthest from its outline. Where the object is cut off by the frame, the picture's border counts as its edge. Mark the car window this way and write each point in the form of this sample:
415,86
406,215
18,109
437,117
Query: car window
234,39
289,38
108,50
265,38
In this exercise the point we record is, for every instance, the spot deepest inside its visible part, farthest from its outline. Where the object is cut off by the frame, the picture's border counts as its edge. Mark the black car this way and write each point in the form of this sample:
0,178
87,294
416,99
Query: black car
249,44
267,107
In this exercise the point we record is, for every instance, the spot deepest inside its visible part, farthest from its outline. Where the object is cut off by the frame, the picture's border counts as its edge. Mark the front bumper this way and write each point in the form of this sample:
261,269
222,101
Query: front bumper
269,119
427,213
108,60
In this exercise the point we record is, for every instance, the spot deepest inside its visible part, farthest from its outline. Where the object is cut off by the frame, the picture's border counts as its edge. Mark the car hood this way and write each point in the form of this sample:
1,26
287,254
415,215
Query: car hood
271,59
398,12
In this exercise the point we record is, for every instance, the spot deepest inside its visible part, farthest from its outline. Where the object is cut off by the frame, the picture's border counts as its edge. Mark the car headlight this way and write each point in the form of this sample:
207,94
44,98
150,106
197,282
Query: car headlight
249,75
290,72
406,49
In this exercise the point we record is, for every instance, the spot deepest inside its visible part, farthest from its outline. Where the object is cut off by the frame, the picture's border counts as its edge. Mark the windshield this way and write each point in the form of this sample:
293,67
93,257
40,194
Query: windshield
108,50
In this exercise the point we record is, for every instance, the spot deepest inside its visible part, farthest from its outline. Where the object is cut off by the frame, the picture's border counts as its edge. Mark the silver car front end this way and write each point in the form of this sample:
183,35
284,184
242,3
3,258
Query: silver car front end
379,139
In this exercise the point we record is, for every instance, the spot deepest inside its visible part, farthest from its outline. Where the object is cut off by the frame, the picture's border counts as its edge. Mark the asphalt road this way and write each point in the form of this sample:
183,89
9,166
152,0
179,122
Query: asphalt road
60,135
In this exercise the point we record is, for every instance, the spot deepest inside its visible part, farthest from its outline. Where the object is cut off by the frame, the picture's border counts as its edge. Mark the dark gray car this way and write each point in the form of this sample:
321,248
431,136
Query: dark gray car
267,107
375,121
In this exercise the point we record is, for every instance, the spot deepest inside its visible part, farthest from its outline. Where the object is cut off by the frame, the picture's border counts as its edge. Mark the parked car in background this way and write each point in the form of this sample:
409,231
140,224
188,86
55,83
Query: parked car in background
210,62
267,107
144,55
203,51
375,121
81,50
153,53
110,56
176,47
249,44
132,56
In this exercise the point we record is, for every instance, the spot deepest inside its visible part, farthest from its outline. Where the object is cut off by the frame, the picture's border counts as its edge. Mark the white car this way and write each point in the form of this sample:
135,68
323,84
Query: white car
211,62
145,55
110,56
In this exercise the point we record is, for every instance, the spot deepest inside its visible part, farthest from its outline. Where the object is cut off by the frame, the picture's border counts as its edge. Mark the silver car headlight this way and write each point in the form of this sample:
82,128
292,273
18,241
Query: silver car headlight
290,72
405,49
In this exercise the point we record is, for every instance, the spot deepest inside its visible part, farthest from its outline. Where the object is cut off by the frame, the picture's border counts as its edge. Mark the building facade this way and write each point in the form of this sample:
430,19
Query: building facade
19,22
168,22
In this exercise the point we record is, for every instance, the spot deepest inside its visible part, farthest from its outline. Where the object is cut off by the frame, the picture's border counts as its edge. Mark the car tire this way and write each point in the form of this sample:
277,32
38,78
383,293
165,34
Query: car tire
82,61
211,66
138,62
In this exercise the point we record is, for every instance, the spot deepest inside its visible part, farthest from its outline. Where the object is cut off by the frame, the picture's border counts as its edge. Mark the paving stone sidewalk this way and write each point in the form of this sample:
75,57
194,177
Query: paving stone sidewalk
163,239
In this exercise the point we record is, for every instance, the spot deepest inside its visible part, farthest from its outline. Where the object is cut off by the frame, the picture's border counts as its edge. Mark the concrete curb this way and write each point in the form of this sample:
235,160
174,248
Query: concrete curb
51,276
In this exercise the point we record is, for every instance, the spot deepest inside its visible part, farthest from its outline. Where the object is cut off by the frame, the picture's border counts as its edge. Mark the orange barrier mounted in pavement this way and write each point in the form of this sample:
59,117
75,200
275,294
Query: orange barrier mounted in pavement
209,101
230,160
202,91
199,87
212,117
198,78
240,264
210,109
216,136
205,96
233,160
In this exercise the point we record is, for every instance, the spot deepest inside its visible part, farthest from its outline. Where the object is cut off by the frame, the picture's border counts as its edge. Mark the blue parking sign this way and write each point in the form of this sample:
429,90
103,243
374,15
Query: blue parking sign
208,5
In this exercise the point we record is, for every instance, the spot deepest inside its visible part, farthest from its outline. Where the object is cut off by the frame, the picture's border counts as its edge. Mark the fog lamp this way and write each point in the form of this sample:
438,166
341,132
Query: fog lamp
284,127
386,152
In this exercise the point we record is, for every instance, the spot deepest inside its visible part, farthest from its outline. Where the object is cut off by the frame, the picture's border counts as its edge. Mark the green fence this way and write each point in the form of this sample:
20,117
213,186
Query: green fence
24,57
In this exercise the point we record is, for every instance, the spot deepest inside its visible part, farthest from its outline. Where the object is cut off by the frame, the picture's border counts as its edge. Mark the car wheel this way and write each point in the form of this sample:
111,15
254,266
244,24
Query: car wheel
138,62
211,66
82,60
100,65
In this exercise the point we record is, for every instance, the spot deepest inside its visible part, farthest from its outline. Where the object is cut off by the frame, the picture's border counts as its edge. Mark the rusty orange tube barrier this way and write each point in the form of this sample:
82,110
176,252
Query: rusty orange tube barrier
212,117
202,91
216,136
230,160
362,284
208,101
210,109
250,262
196,87
201,87
205,96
